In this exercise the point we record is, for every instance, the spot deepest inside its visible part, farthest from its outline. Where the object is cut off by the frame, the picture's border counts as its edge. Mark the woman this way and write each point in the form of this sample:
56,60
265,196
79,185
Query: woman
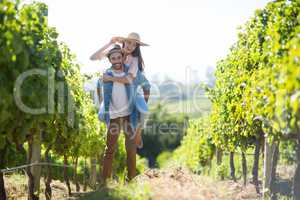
133,59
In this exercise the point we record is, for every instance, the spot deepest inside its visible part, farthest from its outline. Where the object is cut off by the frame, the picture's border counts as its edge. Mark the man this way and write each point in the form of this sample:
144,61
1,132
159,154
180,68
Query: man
117,113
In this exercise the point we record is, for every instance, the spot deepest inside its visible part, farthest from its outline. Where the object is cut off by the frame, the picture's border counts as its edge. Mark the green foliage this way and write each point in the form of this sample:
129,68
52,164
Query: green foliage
213,169
222,171
119,161
257,84
120,168
68,119
163,158
132,191
196,149
68,123
163,132
256,90
287,152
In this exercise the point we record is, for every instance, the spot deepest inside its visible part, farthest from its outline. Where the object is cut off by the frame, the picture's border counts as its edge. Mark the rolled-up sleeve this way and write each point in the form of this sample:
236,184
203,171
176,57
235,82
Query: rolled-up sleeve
145,83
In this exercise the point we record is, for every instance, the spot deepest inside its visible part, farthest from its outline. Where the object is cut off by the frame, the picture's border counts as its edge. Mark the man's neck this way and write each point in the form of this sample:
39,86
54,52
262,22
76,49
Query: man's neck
118,69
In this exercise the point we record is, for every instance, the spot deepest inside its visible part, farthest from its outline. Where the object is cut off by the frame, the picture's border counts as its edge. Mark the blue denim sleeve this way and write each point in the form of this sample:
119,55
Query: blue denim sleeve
99,83
107,91
144,82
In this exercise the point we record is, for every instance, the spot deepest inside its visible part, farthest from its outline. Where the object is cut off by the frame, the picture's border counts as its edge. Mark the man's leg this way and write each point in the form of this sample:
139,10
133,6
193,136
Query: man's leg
111,142
130,149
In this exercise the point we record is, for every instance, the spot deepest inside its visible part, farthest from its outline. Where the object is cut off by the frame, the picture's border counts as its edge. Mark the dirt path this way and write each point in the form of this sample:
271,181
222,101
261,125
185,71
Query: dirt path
180,184
162,184
176,184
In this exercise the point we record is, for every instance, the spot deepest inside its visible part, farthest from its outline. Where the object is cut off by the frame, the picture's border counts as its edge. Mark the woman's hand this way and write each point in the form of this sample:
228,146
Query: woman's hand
106,78
115,40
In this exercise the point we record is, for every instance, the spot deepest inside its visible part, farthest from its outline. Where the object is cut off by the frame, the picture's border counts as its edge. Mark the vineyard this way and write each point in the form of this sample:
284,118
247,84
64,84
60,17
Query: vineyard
255,102
45,113
49,128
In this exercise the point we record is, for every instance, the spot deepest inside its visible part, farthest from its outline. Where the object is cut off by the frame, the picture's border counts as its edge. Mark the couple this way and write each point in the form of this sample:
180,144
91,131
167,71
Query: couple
123,106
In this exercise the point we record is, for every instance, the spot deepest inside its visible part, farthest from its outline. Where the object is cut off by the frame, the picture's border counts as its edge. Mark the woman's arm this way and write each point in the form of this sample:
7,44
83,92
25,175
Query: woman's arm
101,52
125,79
128,79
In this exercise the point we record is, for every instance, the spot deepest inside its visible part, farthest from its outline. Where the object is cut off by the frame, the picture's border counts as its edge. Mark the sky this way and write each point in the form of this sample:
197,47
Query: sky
185,36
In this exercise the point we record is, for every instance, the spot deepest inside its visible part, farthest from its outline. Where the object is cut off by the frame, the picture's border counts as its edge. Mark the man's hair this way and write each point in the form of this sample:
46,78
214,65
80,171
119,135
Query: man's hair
115,49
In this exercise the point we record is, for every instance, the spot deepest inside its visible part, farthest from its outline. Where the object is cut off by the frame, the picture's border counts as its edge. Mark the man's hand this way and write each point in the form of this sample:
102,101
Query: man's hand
106,78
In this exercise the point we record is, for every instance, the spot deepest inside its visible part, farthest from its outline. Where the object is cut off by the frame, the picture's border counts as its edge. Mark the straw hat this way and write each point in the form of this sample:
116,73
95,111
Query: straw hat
135,37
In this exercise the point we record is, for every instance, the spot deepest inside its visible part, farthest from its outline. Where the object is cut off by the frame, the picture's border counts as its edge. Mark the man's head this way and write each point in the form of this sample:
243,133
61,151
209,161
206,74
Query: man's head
115,57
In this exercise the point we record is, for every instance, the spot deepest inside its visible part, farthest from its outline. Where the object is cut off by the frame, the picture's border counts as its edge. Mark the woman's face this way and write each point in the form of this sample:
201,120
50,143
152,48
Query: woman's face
129,46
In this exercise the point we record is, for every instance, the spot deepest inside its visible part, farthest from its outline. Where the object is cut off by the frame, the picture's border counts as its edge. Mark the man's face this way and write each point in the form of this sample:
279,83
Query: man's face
116,59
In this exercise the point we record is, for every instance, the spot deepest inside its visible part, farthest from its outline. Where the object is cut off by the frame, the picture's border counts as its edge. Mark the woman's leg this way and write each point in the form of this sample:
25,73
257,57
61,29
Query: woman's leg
111,141
138,138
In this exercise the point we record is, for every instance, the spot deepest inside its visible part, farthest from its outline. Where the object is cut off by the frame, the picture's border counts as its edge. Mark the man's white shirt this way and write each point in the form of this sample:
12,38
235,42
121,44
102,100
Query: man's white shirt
119,105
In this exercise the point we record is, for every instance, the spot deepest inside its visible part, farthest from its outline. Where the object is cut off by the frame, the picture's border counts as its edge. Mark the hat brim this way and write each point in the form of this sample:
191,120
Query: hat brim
137,41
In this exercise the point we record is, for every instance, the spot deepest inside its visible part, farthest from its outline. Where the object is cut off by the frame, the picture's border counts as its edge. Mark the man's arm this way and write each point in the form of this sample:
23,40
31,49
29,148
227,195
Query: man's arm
146,87
99,91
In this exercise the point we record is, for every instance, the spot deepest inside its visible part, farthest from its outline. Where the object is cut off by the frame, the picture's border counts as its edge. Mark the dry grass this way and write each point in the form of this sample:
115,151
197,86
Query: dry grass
16,188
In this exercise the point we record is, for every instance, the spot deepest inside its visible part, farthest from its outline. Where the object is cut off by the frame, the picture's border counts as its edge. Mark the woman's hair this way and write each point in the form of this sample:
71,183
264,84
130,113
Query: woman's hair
137,53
